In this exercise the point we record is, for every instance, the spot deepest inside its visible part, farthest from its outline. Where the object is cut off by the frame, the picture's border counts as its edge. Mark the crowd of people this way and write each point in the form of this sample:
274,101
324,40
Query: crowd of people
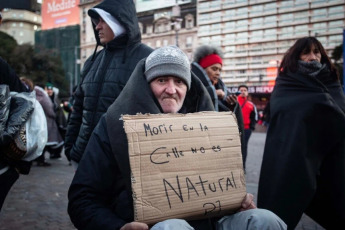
303,168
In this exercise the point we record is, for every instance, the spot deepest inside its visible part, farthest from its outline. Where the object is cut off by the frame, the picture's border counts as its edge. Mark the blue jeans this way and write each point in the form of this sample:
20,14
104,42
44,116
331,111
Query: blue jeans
246,220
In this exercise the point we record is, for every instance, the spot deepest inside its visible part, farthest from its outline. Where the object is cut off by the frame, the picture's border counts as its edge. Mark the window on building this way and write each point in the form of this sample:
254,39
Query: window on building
286,18
158,43
256,35
301,30
256,9
285,5
205,40
335,26
301,16
215,4
14,24
286,32
319,14
256,22
270,20
242,24
301,3
21,33
204,29
230,26
165,42
189,41
229,14
242,12
216,40
149,29
337,11
270,33
189,19
229,38
215,28
270,7
242,37
35,27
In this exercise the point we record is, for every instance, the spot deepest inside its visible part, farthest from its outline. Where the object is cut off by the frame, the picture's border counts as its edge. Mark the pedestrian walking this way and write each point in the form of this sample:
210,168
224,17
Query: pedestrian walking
250,117
303,168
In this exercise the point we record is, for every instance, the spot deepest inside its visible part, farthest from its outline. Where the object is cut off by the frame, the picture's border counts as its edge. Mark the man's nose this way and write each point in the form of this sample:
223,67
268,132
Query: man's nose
170,87
98,26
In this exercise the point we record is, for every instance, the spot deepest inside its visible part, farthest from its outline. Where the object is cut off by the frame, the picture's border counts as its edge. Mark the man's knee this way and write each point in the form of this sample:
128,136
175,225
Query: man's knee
265,219
172,224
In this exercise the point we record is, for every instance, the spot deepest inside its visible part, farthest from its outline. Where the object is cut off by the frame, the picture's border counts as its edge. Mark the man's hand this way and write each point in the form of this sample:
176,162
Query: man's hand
247,203
135,226
220,93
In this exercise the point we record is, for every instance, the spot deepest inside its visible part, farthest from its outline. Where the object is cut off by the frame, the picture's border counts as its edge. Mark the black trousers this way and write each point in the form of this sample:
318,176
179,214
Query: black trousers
7,180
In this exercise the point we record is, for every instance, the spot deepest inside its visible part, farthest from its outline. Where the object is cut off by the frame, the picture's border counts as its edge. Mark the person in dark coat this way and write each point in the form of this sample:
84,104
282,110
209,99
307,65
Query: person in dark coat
303,168
207,66
100,193
106,73
8,174
60,120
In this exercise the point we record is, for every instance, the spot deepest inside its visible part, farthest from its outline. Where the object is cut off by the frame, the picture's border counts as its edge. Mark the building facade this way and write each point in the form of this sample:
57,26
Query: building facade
255,34
20,24
171,25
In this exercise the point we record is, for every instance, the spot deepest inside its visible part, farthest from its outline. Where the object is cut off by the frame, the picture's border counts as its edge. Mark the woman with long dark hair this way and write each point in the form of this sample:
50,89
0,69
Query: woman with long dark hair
303,168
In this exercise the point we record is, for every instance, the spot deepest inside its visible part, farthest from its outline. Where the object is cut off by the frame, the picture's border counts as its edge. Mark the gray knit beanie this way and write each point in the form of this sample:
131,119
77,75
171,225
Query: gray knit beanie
168,60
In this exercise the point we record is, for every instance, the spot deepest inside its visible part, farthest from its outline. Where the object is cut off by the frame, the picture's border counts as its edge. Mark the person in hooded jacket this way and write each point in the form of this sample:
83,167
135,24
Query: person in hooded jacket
303,168
100,195
106,72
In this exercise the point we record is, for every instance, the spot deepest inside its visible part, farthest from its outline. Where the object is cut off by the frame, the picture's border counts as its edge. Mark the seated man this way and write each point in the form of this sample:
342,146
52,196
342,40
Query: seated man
100,195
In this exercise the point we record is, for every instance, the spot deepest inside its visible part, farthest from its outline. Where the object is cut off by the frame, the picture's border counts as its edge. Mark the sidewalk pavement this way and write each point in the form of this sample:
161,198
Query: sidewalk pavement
39,200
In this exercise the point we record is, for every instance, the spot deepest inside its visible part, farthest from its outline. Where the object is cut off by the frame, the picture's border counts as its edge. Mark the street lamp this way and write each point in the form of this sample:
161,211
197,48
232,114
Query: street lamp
176,20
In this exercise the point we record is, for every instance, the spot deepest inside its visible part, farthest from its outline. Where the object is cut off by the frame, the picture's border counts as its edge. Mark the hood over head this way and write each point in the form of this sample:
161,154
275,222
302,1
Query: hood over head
125,23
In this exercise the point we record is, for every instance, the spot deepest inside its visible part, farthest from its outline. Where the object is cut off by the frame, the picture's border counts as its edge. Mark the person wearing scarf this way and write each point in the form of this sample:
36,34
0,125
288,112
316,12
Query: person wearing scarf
303,168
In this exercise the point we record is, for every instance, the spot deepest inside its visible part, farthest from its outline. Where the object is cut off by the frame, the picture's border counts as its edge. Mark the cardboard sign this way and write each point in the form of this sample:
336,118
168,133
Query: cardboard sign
186,166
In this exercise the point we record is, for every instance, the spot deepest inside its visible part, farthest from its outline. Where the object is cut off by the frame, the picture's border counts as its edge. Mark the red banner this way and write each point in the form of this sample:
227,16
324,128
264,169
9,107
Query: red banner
59,13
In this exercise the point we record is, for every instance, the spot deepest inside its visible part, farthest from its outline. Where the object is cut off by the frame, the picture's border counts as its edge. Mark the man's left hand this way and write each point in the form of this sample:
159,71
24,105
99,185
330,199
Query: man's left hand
247,203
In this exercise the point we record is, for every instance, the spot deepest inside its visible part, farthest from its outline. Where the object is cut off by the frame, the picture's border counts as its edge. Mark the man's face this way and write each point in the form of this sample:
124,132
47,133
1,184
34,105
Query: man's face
213,72
105,33
244,92
170,92
49,91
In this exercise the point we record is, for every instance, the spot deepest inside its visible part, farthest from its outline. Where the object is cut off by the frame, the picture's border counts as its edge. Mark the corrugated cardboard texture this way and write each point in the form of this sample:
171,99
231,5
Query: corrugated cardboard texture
186,166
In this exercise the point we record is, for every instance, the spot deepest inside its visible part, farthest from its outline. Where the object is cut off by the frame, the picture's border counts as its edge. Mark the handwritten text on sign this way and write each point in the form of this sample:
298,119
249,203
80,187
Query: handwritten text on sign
184,165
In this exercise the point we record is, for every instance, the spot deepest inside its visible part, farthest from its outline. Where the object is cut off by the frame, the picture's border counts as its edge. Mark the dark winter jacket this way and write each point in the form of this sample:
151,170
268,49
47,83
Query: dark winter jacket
303,168
105,76
100,193
10,78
